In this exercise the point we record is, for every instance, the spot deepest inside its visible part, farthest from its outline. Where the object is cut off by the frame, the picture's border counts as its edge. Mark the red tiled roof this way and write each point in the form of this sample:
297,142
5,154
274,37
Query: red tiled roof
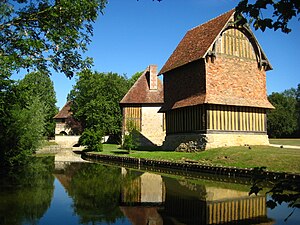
65,112
217,100
196,42
140,92
237,101
190,101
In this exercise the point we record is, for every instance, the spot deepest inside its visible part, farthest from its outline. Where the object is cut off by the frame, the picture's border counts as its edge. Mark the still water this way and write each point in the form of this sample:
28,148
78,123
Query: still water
86,193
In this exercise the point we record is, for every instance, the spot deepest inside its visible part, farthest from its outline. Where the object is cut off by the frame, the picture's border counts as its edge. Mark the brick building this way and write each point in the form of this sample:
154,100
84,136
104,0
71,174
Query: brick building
140,107
215,88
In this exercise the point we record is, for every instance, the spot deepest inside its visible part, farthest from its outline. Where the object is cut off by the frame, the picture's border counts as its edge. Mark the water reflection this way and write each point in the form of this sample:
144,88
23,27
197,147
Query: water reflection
185,202
88,193
95,191
26,195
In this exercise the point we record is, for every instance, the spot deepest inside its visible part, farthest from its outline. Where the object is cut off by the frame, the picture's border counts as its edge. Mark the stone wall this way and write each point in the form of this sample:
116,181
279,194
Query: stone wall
198,142
61,127
65,141
152,126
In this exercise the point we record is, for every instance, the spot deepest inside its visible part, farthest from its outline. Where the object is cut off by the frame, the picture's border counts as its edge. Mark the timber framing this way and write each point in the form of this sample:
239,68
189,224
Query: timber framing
215,87
216,119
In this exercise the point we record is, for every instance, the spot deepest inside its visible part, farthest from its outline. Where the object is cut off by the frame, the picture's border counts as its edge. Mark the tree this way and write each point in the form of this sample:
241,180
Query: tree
283,190
96,191
46,33
26,192
39,85
129,139
96,98
22,132
135,77
298,107
92,139
282,121
282,12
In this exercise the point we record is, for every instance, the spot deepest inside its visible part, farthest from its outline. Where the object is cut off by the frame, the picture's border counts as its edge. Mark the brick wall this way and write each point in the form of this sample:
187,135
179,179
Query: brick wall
184,82
236,80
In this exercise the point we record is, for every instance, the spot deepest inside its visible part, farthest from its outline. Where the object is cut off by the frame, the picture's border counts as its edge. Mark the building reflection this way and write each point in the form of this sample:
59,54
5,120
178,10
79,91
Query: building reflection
147,198
153,199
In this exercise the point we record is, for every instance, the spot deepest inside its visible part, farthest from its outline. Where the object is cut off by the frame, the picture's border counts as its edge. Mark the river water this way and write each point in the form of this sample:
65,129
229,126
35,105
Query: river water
89,193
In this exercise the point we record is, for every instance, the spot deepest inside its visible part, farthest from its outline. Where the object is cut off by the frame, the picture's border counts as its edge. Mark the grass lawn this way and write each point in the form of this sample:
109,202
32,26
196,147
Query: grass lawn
291,141
275,159
46,143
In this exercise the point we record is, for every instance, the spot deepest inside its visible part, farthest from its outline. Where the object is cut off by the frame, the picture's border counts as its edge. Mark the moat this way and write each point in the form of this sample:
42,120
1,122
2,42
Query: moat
90,193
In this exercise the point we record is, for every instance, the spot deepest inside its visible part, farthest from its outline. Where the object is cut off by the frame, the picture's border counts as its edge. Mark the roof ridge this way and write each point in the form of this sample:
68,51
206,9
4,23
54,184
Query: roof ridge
212,19
134,84
140,92
196,42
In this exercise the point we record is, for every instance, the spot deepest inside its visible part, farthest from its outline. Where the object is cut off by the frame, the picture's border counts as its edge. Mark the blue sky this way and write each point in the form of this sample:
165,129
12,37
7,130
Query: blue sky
133,34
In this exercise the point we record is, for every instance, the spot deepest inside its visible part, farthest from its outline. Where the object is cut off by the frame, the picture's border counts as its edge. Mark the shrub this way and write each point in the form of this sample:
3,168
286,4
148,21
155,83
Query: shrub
91,139
129,140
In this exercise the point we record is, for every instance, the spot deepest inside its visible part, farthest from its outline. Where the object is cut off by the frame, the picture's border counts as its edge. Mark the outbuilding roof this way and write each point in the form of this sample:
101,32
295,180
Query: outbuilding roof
141,93
65,112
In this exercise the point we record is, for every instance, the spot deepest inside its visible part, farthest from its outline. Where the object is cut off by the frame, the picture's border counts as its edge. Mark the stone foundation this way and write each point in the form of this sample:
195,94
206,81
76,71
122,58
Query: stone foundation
65,141
199,142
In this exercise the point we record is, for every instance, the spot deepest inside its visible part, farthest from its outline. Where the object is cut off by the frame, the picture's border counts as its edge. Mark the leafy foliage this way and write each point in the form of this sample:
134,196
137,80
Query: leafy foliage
96,190
26,109
134,78
282,12
40,85
45,33
92,140
282,121
26,192
96,98
283,190
129,139
22,134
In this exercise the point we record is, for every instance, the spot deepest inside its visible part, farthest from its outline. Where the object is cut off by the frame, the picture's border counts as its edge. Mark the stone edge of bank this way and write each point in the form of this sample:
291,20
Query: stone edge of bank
190,167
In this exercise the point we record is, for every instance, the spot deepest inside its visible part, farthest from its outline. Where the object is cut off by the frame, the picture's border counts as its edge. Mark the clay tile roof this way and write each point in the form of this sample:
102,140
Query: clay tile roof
140,92
64,112
196,42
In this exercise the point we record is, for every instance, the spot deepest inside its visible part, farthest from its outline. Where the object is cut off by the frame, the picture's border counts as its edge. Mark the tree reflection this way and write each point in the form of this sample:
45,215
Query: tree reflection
95,190
282,190
26,192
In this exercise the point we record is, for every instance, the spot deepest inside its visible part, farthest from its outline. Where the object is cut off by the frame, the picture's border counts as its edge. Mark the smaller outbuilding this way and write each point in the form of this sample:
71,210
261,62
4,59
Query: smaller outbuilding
140,108
61,118
67,130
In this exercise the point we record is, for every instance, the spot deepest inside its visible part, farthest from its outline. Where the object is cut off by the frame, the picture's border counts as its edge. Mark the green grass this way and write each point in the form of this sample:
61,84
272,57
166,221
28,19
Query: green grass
291,141
275,159
46,143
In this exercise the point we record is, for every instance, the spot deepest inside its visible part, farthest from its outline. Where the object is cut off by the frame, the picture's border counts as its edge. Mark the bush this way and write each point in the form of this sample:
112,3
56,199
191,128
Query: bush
91,139
129,141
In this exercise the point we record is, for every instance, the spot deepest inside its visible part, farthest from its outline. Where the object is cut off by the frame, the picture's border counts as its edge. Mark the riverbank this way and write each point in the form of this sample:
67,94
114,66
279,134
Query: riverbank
224,161
274,159
181,168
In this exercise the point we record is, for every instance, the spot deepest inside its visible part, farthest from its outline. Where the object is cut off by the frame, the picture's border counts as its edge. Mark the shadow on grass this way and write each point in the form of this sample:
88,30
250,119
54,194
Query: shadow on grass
121,152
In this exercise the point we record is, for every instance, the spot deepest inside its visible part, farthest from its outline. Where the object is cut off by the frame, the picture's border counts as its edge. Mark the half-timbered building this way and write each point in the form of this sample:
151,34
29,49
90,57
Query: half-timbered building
140,108
215,88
